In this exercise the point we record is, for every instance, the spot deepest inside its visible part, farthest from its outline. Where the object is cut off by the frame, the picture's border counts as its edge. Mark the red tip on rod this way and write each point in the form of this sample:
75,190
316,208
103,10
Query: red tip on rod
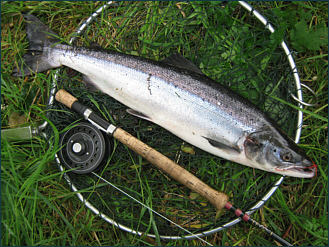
228,206
247,218
238,212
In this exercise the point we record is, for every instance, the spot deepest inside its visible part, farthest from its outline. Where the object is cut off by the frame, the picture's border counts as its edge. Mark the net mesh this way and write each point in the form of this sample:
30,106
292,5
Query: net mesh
227,44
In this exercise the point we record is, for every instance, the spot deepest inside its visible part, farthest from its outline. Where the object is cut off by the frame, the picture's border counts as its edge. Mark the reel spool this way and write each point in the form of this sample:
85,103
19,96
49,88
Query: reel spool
84,148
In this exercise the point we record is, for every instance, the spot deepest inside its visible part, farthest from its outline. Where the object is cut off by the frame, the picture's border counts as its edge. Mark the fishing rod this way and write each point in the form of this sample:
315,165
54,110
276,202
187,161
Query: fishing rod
78,148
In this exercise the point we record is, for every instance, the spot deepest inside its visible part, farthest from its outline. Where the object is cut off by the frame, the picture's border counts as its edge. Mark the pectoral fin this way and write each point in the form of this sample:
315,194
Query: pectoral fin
138,114
232,149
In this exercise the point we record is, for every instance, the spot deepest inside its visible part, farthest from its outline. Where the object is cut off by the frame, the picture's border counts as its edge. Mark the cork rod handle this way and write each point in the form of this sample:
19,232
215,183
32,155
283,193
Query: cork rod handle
216,198
65,98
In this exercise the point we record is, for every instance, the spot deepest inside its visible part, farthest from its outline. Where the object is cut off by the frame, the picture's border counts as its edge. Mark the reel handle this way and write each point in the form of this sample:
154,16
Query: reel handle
216,198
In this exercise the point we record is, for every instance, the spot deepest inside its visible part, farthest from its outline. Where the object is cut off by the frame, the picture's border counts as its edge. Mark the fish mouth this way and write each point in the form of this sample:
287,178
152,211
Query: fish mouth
305,171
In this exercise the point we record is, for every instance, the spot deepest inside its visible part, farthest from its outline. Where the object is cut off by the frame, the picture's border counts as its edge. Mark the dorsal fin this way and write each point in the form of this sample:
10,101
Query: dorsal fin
179,61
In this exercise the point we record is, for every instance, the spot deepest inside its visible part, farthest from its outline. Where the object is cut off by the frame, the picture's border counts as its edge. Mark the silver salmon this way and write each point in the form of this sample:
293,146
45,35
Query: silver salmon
176,95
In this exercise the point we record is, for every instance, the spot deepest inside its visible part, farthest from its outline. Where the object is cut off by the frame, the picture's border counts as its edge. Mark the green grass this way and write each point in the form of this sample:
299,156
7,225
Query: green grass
38,207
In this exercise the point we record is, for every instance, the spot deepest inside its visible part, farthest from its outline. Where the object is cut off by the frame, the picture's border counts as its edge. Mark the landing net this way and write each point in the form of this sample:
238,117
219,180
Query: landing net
229,45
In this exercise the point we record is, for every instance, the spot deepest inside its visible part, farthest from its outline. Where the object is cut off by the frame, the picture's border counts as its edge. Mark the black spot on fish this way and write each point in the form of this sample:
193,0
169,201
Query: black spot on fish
149,82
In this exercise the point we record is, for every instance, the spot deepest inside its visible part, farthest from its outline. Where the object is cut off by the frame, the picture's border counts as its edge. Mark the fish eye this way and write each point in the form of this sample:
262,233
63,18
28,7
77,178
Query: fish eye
287,157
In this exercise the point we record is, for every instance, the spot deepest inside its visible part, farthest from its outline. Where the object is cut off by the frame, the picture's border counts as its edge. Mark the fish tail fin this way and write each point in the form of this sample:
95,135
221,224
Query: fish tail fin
36,59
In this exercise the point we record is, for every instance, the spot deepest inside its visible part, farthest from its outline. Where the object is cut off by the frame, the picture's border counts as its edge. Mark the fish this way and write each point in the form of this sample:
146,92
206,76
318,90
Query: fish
175,94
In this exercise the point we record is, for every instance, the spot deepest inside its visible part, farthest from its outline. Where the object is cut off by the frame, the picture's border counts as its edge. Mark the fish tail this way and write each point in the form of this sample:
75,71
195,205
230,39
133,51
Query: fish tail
39,37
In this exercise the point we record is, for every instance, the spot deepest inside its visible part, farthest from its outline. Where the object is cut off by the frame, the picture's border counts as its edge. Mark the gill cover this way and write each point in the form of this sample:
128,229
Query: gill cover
270,151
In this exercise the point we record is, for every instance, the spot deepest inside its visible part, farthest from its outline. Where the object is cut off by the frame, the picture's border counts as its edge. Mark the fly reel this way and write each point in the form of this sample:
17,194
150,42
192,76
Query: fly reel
84,148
